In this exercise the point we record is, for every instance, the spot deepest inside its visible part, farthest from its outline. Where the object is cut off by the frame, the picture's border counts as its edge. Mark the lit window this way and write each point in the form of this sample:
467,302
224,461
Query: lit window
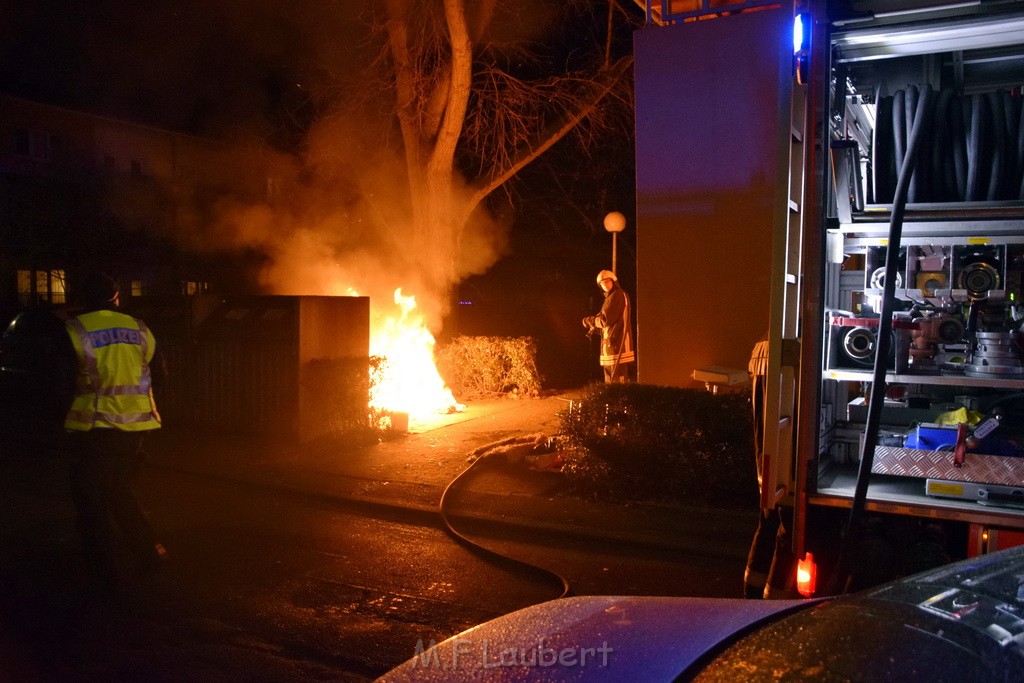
136,287
24,285
57,282
191,287
35,286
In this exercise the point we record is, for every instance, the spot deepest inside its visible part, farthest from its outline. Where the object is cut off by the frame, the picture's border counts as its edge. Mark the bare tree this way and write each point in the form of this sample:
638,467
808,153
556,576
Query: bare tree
473,109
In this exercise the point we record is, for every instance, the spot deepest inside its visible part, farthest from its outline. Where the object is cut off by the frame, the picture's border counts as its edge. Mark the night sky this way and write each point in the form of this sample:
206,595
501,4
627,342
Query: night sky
190,65
207,66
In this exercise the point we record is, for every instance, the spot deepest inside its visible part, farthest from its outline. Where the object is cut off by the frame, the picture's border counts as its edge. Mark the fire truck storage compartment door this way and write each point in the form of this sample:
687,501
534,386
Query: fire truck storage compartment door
712,152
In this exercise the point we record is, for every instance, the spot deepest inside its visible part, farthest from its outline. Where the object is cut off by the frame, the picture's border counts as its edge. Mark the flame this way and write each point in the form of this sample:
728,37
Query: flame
410,382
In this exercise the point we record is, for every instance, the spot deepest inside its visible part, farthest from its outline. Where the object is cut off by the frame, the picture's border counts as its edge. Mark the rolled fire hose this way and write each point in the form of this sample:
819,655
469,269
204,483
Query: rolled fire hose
957,140
973,192
976,153
913,94
883,345
995,105
899,134
942,153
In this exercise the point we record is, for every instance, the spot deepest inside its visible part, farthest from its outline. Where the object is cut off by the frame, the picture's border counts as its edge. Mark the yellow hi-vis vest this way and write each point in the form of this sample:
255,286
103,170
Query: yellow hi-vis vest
113,387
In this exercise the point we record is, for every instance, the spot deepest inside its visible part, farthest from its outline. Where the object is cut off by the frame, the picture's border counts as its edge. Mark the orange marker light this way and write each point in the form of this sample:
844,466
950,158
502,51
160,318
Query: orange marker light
806,575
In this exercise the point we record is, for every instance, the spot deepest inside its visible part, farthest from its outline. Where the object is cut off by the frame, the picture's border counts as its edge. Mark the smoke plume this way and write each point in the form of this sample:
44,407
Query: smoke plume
337,221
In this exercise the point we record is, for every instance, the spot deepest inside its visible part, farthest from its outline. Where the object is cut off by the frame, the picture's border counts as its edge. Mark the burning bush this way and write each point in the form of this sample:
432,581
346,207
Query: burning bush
481,367
643,442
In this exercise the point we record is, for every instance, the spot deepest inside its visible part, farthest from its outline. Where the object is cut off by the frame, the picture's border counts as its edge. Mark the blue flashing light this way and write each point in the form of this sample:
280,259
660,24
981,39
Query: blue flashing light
801,34
801,46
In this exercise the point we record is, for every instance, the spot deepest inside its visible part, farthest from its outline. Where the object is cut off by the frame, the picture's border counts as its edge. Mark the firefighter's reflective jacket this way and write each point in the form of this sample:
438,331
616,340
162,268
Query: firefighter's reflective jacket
616,329
113,385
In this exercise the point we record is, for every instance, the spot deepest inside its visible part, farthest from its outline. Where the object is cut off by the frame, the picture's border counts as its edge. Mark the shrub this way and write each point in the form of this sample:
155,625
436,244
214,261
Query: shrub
633,442
483,367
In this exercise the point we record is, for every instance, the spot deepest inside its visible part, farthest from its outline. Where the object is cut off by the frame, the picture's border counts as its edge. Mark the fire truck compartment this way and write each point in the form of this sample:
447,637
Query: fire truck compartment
959,72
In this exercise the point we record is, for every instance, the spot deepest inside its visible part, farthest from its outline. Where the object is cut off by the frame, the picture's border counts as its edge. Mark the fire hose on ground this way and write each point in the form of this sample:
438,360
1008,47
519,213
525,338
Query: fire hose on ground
478,456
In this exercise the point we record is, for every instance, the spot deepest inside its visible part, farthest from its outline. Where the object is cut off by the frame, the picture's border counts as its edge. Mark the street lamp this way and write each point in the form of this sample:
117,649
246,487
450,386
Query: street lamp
615,223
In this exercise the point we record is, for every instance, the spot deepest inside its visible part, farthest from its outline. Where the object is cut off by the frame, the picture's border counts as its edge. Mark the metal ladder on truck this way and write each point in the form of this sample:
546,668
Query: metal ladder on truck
783,469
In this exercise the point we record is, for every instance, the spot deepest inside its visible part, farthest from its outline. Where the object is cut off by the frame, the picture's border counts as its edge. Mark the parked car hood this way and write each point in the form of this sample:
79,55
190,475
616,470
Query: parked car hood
606,638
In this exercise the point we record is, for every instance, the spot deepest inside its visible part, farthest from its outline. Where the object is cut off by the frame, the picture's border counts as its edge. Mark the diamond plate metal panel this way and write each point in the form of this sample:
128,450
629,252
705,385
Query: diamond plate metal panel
985,469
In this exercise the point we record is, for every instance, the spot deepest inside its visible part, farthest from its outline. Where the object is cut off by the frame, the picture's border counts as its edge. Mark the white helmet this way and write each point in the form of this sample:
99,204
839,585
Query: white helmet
606,275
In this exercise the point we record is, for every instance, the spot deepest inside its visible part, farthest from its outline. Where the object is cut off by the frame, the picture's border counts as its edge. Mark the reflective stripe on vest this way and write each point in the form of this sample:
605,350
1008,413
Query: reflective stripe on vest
126,406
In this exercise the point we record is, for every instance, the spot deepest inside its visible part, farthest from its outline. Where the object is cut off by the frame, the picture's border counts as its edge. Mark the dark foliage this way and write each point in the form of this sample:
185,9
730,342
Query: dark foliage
636,442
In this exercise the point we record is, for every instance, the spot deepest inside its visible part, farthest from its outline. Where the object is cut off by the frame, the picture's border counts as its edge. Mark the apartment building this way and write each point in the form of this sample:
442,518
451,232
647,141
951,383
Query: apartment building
81,191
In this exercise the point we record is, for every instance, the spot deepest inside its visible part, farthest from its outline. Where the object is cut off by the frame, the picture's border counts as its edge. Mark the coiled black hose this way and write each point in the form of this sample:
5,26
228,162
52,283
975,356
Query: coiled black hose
998,165
942,157
973,147
975,125
882,156
899,131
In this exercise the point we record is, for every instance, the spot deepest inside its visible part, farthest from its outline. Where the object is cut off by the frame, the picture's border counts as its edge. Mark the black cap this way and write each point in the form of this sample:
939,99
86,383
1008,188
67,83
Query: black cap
99,290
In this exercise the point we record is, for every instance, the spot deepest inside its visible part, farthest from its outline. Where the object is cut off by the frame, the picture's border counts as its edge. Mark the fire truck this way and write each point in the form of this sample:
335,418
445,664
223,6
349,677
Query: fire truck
844,180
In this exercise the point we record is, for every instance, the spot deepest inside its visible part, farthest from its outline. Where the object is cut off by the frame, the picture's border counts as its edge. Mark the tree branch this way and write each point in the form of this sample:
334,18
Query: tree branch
398,40
459,88
527,155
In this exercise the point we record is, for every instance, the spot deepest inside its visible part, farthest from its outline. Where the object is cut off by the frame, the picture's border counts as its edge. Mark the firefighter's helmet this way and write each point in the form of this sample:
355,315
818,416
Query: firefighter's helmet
606,275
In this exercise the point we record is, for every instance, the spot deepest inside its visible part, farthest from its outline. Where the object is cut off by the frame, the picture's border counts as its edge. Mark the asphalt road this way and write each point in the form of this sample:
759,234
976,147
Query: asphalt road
269,585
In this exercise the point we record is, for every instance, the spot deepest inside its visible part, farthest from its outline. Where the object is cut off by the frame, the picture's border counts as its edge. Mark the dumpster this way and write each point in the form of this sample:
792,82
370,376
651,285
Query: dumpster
289,367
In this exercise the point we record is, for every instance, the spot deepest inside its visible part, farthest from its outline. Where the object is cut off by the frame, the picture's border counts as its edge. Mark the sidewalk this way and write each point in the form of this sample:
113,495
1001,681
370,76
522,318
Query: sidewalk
412,470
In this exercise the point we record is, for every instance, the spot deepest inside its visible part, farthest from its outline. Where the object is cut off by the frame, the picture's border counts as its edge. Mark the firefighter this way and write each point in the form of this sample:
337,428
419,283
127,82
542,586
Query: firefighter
770,559
617,355
111,411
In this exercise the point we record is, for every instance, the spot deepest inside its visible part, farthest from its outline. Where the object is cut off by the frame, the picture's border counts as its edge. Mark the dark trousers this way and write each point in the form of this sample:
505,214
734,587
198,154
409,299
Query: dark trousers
623,372
770,560
105,463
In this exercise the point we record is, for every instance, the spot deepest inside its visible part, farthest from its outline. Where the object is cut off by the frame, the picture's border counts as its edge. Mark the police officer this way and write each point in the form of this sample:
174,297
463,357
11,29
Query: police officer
111,410
617,355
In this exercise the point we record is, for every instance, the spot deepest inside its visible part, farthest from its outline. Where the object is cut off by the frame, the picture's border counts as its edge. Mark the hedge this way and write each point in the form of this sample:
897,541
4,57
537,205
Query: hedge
487,367
637,442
